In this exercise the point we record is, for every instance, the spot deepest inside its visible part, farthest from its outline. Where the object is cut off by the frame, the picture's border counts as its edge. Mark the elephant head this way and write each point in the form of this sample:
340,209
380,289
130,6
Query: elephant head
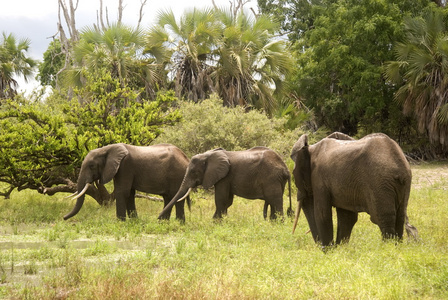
99,165
204,169
302,175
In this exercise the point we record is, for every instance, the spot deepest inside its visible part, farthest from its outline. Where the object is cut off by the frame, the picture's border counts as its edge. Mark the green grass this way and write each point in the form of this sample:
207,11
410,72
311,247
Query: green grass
94,256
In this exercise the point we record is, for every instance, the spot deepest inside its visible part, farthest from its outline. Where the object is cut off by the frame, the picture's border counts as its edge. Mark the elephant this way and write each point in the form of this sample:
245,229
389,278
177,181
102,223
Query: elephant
157,169
368,175
257,173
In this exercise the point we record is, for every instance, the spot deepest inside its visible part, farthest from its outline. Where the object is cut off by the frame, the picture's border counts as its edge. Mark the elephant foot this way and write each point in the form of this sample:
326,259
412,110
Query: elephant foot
326,249
132,214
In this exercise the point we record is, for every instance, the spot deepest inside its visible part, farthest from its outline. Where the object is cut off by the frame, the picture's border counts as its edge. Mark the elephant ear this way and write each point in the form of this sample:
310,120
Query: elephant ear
115,153
301,143
218,165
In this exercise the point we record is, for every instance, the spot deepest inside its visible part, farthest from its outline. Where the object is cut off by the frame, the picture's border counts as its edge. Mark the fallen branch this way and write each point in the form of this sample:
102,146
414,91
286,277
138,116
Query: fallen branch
149,197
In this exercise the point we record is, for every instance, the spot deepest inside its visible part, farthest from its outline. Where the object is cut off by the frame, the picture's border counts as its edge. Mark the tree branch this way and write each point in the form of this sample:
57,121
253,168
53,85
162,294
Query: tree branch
143,3
149,197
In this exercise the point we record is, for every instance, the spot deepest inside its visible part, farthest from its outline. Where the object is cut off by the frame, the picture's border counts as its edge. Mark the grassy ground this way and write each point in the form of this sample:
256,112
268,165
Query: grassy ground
94,256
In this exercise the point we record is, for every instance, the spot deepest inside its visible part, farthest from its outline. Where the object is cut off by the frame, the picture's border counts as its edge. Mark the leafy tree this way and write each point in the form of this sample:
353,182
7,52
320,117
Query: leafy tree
44,151
421,71
295,16
341,63
14,62
52,63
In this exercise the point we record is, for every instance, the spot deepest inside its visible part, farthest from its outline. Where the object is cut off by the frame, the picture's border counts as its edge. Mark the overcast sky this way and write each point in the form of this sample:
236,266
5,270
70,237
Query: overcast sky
37,19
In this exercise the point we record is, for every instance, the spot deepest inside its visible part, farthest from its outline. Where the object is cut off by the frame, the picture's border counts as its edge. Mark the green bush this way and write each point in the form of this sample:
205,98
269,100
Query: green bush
209,125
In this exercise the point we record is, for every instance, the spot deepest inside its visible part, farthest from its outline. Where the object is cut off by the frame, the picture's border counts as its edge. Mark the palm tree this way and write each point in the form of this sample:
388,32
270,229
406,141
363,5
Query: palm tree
251,64
421,70
220,51
118,49
14,62
186,45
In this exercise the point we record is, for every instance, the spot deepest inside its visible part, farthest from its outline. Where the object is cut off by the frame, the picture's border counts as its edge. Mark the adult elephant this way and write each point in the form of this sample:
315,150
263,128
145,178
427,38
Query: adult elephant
157,169
257,173
368,175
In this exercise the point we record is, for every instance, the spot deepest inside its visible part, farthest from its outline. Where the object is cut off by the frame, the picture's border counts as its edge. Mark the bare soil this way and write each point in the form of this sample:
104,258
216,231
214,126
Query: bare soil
434,175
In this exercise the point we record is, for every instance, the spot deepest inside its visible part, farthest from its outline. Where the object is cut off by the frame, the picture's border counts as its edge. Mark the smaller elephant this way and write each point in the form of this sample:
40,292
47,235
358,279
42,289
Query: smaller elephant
257,173
368,175
157,169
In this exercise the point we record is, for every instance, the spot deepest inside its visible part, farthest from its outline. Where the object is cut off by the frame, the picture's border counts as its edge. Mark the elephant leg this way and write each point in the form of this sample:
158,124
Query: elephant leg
346,221
222,200
180,211
228,203
120,205
167,215
274,197
399,224
308,210
130,205
388,230
277,209
386,218
323,217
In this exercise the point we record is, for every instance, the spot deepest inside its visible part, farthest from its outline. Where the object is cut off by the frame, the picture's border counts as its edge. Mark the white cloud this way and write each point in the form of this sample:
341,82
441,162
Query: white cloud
27,8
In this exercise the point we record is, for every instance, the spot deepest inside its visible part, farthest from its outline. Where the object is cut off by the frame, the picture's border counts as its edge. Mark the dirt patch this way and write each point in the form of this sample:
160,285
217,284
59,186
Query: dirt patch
430,175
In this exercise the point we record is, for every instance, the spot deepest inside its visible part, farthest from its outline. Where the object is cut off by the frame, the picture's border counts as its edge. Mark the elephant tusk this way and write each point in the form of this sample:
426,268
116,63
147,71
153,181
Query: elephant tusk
297,217
185,196
82,192
74,194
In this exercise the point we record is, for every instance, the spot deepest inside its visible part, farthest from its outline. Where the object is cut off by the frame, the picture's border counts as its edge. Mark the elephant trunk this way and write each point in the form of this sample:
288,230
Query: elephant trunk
79,202
299,208
180,196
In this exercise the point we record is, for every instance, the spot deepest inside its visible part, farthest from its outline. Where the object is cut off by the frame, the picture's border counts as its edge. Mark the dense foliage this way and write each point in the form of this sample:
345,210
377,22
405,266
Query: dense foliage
420,71
340,74
209,125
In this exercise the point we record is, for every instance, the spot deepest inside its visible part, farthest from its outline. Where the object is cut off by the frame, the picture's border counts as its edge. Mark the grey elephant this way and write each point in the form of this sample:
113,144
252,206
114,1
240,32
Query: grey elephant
257,173
368,175
157,169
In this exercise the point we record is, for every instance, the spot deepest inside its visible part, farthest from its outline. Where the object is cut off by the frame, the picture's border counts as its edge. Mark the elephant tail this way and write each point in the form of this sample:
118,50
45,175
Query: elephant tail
290,211
410,229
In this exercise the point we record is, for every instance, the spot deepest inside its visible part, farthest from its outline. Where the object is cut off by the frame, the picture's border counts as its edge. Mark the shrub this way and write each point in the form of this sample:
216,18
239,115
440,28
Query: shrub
208,125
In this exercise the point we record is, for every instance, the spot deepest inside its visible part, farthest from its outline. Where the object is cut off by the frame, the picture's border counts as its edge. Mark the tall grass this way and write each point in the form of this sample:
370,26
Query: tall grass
94,256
